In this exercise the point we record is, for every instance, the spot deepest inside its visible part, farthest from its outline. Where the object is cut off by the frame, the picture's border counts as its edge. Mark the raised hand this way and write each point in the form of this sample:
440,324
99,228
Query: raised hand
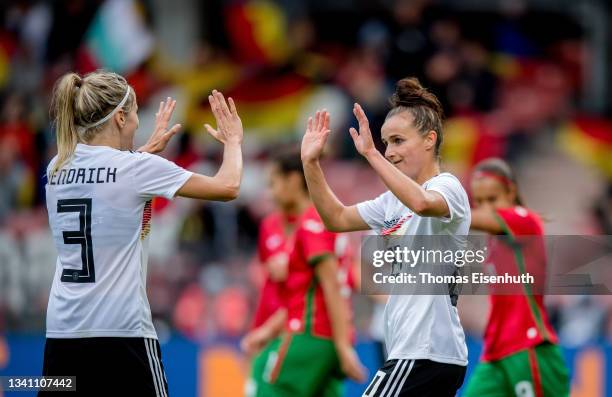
363,139
317,131
229,126
161,134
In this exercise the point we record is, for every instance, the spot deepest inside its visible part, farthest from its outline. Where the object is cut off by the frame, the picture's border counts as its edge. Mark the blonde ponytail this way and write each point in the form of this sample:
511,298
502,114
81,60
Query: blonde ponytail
64,96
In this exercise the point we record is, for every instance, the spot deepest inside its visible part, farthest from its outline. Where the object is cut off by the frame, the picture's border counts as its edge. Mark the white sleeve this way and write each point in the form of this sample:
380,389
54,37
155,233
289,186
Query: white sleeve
450,188
373,211
155,176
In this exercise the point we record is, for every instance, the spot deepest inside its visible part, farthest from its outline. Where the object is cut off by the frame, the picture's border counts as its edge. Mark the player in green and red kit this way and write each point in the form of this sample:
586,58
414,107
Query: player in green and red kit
308,347
273,256
274,231
521,357
272,253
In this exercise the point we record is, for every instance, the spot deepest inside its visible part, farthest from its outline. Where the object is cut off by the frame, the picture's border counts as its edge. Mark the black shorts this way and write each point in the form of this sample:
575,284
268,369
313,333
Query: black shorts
107,366
416,378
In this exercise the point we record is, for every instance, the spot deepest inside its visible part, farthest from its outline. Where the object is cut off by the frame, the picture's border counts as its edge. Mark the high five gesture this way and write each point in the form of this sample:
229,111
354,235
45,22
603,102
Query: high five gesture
317,131
226,183
229,125
161,134
363,139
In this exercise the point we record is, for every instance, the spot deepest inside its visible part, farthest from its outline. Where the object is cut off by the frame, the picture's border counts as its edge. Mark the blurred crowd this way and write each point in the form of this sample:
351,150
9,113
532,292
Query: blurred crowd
510,88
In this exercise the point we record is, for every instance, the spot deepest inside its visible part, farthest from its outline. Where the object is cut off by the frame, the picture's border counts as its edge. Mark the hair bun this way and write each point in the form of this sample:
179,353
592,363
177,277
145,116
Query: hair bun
410,93
78,81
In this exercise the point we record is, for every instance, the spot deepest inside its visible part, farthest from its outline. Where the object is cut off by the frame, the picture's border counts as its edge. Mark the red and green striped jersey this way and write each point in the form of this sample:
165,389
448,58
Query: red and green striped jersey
301,293
520,321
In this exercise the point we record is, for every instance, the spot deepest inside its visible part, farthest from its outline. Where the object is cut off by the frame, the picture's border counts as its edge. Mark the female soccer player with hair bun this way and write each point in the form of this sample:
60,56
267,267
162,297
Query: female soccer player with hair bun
99,194
427,355
521,356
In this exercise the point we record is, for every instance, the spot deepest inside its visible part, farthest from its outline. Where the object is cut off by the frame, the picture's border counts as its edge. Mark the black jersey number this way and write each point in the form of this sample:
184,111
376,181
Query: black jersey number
81,237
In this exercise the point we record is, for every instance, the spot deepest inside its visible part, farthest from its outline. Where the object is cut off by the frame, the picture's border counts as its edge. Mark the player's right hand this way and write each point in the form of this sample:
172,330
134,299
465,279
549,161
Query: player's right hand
161,134
317,131
363,138
229,126
350,364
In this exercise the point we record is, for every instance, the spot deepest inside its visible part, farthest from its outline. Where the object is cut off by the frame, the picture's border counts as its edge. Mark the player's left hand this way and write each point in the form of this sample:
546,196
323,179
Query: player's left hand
363,139
161,134
229,126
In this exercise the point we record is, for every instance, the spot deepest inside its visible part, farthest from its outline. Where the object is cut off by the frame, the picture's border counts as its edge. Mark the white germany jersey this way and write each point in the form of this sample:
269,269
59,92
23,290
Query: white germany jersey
99,207
423,326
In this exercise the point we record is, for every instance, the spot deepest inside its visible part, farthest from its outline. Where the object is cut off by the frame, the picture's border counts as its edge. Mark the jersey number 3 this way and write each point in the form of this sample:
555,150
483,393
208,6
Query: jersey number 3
81,237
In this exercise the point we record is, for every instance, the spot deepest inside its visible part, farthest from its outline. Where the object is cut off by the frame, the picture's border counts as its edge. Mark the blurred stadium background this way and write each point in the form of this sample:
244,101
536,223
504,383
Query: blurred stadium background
525,80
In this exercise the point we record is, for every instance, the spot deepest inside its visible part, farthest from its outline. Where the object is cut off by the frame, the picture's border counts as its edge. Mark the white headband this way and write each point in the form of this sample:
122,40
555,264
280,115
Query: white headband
108,116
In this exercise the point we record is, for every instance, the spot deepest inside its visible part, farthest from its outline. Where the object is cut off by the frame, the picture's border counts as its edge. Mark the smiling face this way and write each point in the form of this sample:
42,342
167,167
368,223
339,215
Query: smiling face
406,148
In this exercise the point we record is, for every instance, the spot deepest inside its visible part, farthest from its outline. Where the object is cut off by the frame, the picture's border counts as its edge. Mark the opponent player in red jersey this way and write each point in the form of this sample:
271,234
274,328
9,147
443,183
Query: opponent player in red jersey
307,342
272,251
272,254
521,356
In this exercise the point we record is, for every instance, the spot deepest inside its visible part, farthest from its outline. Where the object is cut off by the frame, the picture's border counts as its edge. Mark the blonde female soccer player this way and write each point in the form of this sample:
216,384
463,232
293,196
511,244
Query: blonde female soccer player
423,335
99,194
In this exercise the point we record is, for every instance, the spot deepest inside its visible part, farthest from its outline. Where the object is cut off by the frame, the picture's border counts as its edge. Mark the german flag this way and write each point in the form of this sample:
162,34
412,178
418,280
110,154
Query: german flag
269,103
588,140
269,95
468,139
258,32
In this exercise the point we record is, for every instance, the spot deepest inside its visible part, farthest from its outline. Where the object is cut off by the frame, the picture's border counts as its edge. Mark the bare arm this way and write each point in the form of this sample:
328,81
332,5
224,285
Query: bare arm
410,193
225,184
255,340
356,270
275,324
336,216
485,220
327,275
